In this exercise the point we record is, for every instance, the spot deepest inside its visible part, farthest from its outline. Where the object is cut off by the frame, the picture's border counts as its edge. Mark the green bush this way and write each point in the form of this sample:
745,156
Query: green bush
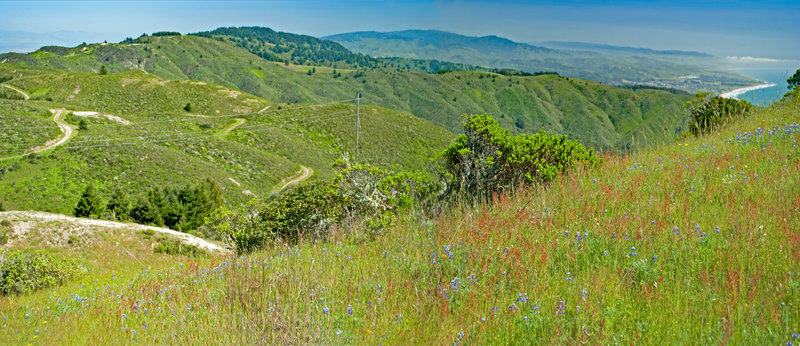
306,210
176,247
358,193
488,159
23,272
794,80
709,114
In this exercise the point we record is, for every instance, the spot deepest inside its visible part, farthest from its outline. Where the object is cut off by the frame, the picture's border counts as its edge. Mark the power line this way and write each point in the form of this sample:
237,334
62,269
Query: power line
358,119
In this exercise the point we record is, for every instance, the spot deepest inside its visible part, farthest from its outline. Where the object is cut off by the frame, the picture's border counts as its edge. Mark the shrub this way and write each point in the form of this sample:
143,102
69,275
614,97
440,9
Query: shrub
306,210
488,159
709,114
23,272
357,193
176,247
794,80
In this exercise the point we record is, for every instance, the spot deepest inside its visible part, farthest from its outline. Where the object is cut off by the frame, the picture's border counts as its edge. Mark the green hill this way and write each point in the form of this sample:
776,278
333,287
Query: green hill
138,134
597,115
586,62
694,242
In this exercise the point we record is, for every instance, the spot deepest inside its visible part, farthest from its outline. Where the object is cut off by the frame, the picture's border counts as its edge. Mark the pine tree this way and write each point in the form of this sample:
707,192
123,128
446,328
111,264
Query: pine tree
118,203
103,70
90,204
188,107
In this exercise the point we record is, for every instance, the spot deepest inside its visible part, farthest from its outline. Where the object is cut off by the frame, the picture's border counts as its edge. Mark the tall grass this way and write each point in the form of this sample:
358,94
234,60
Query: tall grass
696,242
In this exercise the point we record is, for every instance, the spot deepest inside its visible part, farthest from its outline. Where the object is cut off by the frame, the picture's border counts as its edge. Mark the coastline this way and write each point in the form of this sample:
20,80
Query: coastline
736,92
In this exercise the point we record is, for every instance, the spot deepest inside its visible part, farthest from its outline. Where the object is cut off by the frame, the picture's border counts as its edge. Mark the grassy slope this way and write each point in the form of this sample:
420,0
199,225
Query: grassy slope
694,243
165,145
598,115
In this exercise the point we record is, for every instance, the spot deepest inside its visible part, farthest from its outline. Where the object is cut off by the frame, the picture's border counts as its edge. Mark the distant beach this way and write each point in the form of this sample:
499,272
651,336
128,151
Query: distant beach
737,92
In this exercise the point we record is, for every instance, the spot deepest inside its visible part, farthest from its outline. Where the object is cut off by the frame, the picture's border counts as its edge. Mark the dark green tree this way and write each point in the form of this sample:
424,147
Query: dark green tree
199,202
145,212
90,204
794,80
103,70
188,107
118,203
83,125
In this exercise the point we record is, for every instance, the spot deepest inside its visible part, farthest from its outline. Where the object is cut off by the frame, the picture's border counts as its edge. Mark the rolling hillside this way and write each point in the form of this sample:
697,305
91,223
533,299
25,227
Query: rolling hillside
694,242
134,130
606,117
642,67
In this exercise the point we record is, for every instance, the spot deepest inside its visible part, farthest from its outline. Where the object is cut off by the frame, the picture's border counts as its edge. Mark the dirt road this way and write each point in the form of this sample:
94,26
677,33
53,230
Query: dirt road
66,129
43,217
304,173
24,94
228,129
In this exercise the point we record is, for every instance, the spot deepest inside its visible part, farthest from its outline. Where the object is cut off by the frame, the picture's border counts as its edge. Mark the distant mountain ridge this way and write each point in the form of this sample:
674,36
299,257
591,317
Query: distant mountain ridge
600,63
438,37
624,49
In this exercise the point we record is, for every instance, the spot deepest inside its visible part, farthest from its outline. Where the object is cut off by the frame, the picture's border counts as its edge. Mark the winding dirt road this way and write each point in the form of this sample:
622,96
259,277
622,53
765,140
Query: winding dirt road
304,173
24,94
66,129
228,130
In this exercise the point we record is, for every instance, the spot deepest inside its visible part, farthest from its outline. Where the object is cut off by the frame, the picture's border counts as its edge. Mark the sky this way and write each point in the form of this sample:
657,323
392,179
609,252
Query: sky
759,29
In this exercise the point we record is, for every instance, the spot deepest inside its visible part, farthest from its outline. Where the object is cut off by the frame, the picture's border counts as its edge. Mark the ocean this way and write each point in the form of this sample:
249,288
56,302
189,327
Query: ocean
772,73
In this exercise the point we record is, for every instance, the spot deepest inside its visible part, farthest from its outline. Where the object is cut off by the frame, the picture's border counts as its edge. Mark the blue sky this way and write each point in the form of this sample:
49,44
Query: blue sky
724,28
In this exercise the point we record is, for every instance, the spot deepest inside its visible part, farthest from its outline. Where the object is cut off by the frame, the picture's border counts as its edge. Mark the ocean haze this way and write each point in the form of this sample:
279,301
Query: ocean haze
722,28
24,41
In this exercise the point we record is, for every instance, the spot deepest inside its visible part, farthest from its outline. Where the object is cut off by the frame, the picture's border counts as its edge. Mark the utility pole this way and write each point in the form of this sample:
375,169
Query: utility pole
358,119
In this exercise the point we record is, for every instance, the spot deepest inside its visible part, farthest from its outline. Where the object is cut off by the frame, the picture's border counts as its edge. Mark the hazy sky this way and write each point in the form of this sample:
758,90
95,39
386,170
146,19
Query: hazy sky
724,28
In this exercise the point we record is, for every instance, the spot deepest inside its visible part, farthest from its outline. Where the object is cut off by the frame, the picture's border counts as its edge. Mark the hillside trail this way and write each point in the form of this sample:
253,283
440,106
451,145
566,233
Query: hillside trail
228,129
24,94
66,129
304,173
67,132
44,217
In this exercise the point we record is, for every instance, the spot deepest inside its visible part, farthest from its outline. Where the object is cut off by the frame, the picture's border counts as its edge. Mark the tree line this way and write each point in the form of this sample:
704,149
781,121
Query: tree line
181,208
